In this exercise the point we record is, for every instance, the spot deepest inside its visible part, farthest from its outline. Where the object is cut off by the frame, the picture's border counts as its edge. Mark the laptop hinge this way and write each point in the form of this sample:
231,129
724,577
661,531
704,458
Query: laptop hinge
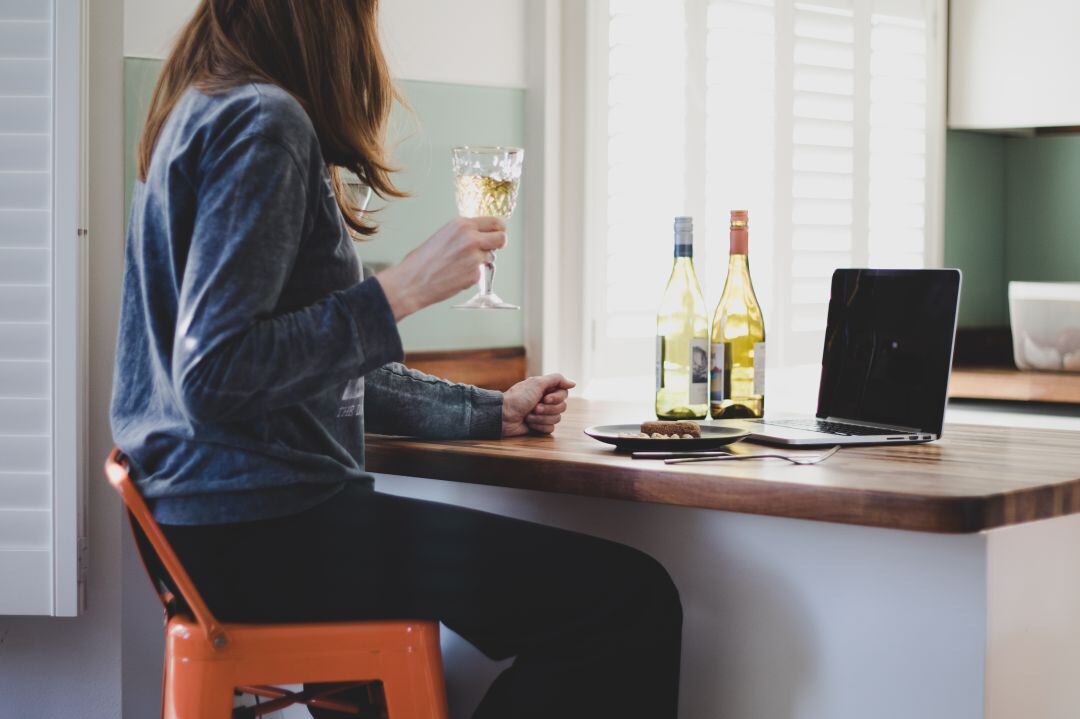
876,425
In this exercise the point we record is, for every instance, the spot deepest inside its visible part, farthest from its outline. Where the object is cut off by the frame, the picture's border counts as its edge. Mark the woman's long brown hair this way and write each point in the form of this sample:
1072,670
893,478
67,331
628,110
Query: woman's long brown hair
325,53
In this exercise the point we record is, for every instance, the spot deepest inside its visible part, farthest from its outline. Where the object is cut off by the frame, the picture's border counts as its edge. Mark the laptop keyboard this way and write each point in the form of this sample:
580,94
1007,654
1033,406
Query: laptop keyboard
819,425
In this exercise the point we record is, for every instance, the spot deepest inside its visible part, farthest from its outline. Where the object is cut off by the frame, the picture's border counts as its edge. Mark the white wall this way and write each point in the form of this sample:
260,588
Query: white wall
52,668
475,42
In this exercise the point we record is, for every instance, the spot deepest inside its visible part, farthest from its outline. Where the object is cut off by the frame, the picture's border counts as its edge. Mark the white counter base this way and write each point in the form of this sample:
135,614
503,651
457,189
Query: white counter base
795,619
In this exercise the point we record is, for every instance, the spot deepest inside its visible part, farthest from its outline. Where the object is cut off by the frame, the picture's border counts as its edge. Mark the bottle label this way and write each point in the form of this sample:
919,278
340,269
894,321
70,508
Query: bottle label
759,368
699,371
659,362
716,373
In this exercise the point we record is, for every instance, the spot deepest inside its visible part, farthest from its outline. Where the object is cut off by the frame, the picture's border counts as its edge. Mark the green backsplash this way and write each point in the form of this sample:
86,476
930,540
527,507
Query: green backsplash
1042,217
1011,213
442,116
139,78
975,226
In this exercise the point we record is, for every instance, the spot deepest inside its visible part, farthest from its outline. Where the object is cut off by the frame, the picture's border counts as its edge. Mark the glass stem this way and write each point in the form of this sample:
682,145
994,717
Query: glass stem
487,276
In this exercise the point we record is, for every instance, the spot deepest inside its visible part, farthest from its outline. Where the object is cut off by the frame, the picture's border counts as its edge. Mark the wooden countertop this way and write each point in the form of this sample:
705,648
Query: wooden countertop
1011,384
976,478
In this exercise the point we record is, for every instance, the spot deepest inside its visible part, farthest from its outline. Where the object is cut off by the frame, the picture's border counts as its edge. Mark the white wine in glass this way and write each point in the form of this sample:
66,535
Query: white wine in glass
486,181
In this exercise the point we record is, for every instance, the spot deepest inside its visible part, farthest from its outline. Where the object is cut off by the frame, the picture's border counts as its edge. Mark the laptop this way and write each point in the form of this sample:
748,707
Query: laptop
886,364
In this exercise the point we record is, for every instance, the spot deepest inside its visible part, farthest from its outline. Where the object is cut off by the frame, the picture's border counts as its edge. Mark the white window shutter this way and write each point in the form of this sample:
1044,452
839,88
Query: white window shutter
816,120
41,278
898,146
641,168
859,153
740,140
826,228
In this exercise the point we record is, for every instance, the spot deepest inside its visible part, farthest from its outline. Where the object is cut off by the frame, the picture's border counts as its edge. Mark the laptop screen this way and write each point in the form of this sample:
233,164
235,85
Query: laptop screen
888,347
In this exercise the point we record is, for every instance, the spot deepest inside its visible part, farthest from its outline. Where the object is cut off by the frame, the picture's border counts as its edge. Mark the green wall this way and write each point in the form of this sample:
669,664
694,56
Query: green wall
139,78
974,224
1011,213
442,116
1042,217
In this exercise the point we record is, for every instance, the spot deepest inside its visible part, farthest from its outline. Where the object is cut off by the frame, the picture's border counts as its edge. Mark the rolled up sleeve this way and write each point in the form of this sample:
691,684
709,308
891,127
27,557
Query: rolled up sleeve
402,401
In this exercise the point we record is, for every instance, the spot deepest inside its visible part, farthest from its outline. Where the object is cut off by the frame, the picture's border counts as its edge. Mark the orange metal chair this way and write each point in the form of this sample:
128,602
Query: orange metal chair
207,662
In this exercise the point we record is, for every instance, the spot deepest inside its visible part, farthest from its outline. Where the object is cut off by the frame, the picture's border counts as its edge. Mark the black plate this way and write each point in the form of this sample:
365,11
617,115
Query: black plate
711,437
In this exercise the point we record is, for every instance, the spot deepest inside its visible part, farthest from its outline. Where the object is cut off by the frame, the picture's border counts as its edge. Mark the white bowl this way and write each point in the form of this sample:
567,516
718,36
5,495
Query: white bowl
1045,319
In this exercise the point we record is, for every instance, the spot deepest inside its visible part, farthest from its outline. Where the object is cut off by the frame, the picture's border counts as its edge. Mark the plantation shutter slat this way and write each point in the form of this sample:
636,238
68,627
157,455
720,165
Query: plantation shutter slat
40,120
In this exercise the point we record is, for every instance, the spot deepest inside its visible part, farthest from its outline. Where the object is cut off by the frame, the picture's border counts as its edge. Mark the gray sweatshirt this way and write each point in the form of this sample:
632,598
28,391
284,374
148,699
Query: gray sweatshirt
250,352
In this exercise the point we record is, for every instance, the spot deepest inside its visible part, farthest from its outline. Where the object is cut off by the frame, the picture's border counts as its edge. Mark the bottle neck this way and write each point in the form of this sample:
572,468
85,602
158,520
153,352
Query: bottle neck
683,265
738,274
684,244
738,265
740,241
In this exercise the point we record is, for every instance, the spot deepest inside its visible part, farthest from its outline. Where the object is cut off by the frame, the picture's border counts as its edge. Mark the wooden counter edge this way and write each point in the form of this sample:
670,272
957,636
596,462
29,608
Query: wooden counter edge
872,508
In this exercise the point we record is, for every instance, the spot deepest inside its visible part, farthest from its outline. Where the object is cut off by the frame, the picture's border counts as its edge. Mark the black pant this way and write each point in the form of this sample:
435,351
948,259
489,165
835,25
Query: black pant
595,626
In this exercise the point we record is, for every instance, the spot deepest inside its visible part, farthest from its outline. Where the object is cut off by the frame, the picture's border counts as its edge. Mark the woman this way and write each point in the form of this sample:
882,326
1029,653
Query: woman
252,356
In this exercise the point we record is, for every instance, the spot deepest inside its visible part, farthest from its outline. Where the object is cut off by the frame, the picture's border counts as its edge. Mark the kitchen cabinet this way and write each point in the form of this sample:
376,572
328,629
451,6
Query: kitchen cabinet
1013,64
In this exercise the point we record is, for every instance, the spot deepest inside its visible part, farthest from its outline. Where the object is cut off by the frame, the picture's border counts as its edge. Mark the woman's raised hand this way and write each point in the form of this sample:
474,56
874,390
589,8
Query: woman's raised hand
444,265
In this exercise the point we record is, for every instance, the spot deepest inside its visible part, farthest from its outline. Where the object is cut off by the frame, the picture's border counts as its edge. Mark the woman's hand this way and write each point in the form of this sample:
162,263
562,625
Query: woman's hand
447,263
535,404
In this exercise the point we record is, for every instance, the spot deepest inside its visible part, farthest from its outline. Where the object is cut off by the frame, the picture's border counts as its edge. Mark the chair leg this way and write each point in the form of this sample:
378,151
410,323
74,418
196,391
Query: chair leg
413,684
164,684
196,690
408,701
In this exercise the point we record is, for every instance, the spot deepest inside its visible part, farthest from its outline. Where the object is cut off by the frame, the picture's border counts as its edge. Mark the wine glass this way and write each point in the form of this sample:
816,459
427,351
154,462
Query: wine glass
486,183
357,192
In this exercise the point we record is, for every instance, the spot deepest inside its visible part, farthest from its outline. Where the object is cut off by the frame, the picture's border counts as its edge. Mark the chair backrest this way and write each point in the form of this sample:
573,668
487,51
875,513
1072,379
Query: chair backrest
117,472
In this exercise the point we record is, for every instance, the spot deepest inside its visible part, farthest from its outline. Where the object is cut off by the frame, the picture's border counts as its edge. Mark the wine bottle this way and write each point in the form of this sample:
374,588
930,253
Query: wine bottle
682,337
737,373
